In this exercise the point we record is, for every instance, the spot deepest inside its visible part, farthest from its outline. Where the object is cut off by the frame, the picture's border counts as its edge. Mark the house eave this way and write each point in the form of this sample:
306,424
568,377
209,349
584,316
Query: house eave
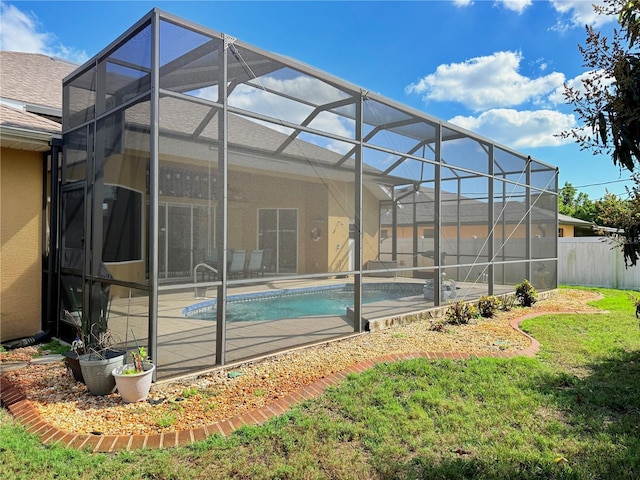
25,139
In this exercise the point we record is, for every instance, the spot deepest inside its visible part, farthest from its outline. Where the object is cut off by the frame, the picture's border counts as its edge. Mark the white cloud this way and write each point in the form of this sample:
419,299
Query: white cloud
516,5
305,87
485,82
525,129
19,32
259,100
311,89
578,13
541,64
513,5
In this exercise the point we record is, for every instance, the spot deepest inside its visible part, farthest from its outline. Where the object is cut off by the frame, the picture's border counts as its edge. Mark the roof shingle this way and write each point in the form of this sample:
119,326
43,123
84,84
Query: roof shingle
33,78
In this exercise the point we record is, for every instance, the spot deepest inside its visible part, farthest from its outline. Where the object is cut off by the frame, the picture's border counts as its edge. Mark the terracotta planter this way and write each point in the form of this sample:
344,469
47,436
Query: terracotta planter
133,387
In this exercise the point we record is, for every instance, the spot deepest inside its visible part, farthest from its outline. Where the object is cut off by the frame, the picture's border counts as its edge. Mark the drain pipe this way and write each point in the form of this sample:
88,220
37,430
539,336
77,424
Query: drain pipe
27,341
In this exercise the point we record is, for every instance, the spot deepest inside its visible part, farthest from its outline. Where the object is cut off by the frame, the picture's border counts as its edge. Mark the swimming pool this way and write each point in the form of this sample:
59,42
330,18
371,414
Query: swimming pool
300,302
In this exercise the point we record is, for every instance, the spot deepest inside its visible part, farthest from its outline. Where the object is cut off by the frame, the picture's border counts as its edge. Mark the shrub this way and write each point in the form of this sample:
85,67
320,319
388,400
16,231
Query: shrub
526,294
460,313
635,300
487,306
438,326
507,303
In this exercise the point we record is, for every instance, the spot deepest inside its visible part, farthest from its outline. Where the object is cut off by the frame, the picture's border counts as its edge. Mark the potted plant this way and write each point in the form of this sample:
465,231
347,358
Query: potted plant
100,356
72,359
97,366
133,380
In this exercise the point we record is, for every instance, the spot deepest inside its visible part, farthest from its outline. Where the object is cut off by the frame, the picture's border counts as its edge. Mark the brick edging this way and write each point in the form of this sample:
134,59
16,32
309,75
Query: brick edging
25,412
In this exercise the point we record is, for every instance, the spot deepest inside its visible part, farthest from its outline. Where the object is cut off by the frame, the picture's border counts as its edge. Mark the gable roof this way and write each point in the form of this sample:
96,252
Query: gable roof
33,78
30,99
567,220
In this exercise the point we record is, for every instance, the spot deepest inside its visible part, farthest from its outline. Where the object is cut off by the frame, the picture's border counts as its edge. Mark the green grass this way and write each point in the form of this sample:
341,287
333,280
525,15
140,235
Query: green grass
571,413
54,347
190,392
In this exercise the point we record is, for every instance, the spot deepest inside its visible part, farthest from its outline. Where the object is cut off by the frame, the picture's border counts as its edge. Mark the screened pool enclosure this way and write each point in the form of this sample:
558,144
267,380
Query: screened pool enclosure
220,202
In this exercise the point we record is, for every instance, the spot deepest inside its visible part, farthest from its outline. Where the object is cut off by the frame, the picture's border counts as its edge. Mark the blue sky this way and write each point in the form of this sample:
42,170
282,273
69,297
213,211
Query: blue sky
493,67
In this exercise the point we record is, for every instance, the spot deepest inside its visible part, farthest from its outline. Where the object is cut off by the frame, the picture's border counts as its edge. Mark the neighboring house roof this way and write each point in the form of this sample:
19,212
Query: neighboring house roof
30,99
567,220
583,225
463,210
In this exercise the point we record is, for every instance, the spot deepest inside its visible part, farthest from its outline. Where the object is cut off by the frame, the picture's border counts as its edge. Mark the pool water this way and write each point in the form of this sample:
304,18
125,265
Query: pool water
303,303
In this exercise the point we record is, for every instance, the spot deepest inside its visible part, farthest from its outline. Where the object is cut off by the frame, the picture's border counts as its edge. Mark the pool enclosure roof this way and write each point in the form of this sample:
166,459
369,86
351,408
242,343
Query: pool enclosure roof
291,112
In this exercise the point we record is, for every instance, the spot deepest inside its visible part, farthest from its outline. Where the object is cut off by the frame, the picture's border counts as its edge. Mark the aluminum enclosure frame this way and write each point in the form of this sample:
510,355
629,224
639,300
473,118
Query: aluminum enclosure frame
170,97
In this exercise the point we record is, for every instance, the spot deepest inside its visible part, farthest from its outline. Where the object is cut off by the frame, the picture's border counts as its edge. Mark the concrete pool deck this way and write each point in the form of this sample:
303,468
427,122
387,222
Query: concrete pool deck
188,345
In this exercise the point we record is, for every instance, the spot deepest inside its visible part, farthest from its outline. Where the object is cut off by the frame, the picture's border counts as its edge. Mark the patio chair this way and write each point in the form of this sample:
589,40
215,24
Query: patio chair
211,257
238,260
268,264
255,263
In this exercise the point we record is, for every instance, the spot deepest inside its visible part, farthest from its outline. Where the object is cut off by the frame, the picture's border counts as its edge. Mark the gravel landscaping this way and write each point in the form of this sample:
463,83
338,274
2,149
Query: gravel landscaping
224,393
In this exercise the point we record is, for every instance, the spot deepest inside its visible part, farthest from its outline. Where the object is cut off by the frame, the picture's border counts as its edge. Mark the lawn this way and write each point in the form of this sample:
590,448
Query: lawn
572,412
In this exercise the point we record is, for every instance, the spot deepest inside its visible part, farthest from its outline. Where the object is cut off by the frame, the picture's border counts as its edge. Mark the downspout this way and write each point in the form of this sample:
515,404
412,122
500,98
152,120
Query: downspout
27,341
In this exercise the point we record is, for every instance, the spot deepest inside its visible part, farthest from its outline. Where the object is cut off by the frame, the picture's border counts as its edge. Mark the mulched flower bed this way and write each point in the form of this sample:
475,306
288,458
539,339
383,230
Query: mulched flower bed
209,398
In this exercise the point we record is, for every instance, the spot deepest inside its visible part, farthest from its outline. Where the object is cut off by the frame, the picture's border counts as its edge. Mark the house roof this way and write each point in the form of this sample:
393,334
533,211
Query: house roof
567,220
30,99
13,117
250,142
33,78
461,210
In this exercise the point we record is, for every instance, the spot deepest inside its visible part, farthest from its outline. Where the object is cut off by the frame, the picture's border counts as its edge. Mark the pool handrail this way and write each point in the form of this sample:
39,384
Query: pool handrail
195,278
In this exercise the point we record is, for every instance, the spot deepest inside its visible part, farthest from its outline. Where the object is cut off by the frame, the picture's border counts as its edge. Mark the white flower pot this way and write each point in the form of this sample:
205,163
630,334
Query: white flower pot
133,387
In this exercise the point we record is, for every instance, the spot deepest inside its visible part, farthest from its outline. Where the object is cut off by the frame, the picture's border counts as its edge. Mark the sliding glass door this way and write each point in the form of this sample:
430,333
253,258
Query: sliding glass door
278,237
186,234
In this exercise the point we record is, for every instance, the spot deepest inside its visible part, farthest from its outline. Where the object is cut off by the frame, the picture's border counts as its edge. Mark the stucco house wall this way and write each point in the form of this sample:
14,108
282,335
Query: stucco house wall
20,242
30,112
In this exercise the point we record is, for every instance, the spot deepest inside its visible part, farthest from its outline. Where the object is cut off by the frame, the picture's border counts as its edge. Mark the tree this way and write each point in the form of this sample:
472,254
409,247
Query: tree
623,215
613,211
575,204
609,106
609,101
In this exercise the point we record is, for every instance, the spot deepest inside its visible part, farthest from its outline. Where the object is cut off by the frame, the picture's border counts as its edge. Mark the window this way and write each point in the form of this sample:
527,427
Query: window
427,233
122,224
560,232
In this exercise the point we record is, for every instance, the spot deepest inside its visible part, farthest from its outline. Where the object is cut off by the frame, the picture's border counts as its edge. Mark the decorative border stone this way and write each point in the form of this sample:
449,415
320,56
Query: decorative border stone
25,413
